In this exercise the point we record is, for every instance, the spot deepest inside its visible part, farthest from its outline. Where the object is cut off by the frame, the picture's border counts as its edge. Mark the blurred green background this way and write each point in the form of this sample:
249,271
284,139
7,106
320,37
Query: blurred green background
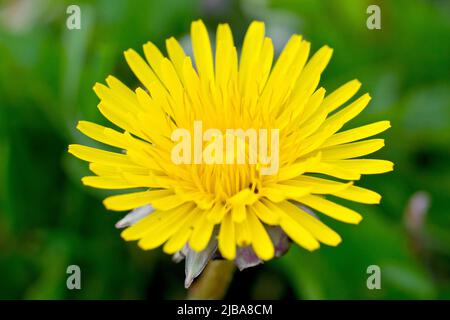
48,220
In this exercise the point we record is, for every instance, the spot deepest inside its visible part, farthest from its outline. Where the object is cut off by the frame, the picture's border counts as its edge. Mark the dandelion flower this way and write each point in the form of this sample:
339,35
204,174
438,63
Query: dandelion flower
231,207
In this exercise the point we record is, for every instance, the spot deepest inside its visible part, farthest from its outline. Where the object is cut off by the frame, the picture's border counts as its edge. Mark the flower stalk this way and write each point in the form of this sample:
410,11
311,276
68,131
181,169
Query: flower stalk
214,281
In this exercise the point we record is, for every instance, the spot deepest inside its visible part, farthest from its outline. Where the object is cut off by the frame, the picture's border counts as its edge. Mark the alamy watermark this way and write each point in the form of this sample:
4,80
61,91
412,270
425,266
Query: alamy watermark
374,20
74,279
73,21
229,146
374,279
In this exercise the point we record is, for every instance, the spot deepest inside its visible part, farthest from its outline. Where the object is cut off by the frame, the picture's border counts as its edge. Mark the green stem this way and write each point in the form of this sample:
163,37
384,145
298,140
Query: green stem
214,281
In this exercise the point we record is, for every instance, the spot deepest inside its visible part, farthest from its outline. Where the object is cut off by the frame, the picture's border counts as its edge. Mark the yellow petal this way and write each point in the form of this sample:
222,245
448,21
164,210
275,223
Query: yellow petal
180,238
202,50
243,235
118,117
147,180
312,113
154,116
362,166
285,59
239,213
217,213
107,182
165,228
334,170
341,95
143,226
273,194
352,150
125,93
112,171
202,233
357,133
114,98
298,168
266,214
341,117
99,156
298,233
274,93
318,229
227,245
261,242
243,197
253,42
134,200
224,52
315,66
176,54
168,202
140,68
318,185
290,190
153,57
265,64
331,209
102,134
358,194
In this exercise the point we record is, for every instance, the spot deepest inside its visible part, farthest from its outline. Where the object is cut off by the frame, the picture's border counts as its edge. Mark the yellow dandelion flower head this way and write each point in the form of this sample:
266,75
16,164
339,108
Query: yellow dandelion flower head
233,202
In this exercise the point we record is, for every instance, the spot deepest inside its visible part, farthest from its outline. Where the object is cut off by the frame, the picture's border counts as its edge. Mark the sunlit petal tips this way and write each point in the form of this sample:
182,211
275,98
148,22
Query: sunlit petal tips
187,188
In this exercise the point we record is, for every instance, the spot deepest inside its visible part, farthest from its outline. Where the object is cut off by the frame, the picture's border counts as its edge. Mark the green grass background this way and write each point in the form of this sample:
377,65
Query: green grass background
48,220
